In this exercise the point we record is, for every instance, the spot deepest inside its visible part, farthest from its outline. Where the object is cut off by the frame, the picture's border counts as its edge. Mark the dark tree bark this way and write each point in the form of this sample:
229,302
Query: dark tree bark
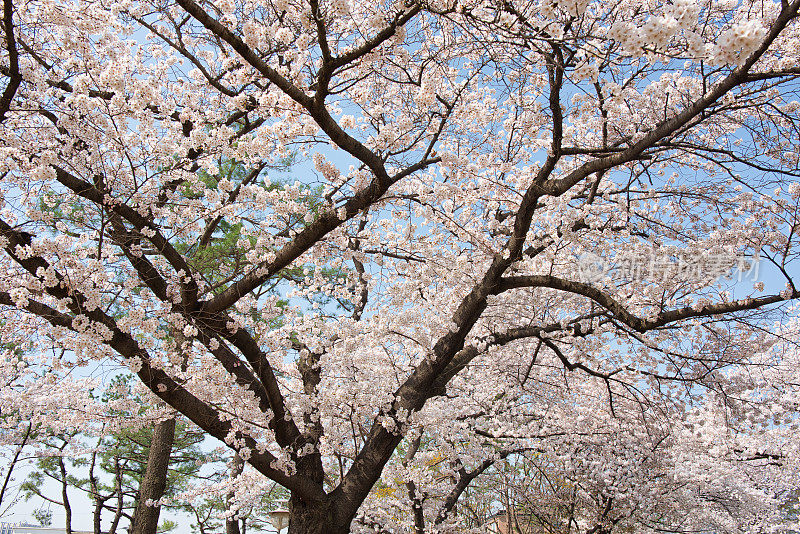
314,518
232,523
98,500
65,496
154,481
118,492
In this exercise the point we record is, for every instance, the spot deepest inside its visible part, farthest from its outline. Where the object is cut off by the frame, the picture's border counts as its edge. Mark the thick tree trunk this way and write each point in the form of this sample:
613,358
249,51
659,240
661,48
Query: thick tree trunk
154,481
313,518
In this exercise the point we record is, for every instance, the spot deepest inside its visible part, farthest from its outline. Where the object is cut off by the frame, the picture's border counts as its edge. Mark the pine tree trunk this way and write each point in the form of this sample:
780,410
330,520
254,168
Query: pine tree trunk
154,481
65,496
232,523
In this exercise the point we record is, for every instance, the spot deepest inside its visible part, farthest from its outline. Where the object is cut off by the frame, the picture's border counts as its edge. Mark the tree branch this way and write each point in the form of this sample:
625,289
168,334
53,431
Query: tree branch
14,76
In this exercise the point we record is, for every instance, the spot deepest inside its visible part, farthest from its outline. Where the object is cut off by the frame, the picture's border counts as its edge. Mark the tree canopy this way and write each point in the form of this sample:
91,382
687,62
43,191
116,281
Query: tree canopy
503,243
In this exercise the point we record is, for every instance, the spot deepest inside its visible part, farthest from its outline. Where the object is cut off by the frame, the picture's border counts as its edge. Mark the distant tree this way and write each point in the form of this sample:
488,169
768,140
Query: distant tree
55,468
12,445
43,516
109,468
234,501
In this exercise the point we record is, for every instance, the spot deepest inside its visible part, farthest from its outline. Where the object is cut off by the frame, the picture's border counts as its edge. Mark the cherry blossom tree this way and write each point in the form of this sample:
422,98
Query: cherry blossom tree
524,211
